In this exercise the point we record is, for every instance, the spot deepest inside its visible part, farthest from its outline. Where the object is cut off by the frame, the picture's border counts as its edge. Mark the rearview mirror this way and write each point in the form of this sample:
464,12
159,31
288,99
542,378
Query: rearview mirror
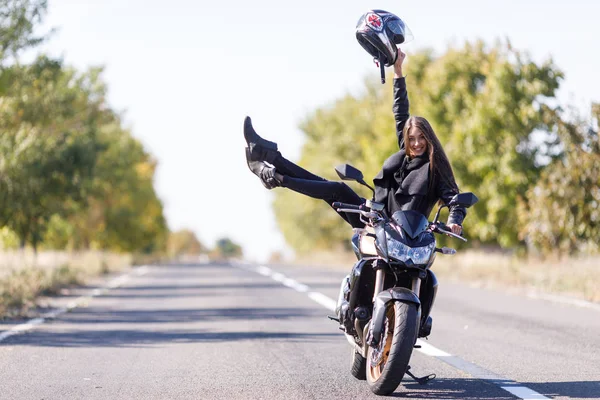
348,173
466,199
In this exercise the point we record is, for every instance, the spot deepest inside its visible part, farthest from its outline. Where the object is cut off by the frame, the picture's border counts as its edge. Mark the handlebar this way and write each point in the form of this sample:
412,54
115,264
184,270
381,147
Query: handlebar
438,228
452,234
362,209
368,214
337,204
365,212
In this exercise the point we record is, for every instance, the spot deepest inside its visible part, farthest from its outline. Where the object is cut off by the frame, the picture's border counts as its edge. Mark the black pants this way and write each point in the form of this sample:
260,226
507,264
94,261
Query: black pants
300,180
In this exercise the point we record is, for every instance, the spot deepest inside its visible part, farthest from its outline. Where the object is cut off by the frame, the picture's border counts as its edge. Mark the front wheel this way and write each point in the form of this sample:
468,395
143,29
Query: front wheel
387,363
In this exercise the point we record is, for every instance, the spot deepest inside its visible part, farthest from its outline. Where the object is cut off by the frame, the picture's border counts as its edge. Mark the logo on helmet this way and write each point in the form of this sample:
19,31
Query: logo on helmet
374,21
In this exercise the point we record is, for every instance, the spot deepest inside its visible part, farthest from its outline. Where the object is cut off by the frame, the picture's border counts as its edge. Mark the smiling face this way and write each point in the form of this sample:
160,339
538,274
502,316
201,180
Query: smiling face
417,145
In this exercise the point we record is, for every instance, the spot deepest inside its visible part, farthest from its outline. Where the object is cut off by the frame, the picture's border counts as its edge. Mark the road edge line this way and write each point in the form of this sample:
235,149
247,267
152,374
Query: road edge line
78,302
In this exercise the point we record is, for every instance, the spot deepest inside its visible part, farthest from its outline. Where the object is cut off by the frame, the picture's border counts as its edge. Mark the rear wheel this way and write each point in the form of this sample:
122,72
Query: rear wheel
387,363
359,366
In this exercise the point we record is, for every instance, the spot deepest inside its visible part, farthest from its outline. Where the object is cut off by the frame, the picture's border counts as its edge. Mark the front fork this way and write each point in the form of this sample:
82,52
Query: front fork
379,281
382,297
416,286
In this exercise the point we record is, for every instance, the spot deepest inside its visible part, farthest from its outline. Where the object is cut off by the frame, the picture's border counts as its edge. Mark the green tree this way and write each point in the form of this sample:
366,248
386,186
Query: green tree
68,169
184,242
561,212
8,239
18,20
227,248
486,104
48,148
123,211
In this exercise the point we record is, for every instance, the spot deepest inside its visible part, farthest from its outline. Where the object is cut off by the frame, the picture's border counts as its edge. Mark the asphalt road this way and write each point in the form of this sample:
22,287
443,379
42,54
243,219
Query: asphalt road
221,331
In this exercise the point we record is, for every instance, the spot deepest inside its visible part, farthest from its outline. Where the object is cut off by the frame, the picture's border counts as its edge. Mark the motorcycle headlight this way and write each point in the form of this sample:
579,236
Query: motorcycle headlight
421,255
397,250
401,252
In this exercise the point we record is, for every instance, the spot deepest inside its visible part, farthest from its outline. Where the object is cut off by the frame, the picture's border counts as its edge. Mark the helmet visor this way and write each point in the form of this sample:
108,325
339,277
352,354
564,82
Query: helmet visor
392,50
361,21
399,28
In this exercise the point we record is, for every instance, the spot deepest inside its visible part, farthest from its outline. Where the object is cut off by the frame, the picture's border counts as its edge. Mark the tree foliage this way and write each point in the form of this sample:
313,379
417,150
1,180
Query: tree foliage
184,242
227,248
561,212
18,19
70,174
121,211
486,105
48,119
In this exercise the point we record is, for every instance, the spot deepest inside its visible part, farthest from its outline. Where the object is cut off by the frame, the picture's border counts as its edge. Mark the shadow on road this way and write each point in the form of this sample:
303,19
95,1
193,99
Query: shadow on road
192,290
155,316
85,327
148,338
452,389
473,389
577,389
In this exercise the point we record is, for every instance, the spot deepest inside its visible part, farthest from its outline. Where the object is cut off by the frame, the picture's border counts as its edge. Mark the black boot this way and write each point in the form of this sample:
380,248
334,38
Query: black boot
260,149
267,174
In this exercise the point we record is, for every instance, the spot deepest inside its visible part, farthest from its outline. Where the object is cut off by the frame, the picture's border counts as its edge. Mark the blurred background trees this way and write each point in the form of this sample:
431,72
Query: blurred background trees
227,248
71,176
496,113
562,209
184,242
18,20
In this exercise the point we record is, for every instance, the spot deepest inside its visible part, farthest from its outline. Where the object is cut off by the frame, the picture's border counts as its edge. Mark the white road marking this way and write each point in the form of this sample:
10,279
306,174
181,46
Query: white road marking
143,270
323,300
430,350
474,370
71,305
276,276
295,285
54,314
118,281
21,328
523,393
80,301
264,270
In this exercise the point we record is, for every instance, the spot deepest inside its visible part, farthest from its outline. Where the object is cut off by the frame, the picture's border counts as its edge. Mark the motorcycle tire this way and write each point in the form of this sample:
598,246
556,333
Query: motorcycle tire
359,366
396,348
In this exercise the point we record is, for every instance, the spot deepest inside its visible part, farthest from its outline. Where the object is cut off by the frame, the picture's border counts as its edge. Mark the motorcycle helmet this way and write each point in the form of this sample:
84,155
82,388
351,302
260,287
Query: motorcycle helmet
379,32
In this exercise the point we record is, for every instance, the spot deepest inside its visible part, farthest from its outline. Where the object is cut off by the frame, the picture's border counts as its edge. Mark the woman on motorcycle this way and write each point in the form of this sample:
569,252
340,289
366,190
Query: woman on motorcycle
414,178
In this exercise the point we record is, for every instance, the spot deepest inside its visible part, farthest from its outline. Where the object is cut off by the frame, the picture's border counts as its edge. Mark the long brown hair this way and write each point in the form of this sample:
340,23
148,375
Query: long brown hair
439,166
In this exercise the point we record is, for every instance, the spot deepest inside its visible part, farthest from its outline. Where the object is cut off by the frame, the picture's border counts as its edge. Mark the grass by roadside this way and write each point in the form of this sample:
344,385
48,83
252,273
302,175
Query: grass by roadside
576,277
25,276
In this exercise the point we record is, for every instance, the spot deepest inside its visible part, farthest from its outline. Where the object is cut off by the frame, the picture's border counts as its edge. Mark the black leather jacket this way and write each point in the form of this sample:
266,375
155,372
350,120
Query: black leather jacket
403,184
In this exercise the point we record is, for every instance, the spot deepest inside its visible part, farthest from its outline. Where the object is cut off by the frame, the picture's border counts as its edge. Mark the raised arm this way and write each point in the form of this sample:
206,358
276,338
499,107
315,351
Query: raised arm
400,107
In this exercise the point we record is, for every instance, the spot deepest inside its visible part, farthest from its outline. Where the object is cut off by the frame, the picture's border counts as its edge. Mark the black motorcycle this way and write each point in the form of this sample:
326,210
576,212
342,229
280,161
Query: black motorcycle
385,303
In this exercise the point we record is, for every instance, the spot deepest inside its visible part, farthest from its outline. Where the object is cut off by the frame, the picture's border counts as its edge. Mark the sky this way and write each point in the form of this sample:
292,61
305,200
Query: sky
185,73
